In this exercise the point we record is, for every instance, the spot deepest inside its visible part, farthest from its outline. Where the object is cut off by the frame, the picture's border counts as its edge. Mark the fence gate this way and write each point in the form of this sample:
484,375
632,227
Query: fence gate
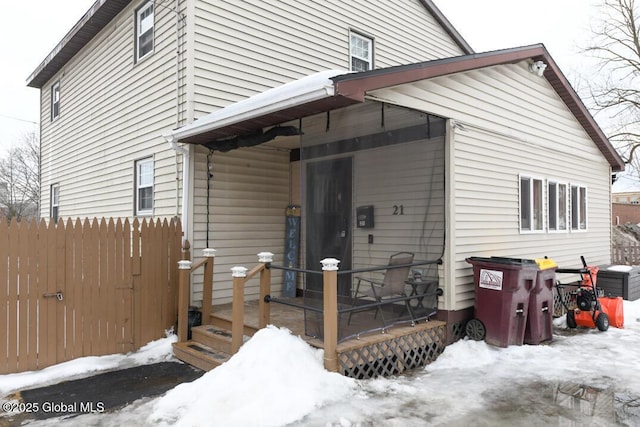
84,288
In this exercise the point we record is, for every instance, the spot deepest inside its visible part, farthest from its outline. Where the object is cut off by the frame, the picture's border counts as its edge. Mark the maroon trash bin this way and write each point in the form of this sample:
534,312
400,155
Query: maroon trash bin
502,292
540,317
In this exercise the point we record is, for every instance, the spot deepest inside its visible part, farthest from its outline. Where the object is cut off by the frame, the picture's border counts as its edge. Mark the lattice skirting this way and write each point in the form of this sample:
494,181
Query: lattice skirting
563,294
395,354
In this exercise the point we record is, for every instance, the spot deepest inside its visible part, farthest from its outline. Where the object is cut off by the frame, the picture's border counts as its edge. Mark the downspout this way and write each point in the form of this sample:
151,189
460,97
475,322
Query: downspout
185,183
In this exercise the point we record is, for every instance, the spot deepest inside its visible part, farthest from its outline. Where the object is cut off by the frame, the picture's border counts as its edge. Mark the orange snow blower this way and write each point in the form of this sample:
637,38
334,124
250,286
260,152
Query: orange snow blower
592,308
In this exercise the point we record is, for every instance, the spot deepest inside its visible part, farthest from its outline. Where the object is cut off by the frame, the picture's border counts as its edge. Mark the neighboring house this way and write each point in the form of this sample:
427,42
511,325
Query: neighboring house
627,197
625,213
446,153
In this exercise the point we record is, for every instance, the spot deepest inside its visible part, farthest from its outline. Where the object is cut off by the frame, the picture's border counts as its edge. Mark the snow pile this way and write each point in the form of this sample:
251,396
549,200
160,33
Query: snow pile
274,379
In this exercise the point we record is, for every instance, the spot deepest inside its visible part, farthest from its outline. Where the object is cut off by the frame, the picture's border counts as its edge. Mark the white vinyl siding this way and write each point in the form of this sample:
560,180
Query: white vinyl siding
408,201
508,120
243,48
249,193
115,113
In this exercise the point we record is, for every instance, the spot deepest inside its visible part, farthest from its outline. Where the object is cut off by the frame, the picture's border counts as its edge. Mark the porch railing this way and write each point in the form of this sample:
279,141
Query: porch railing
330,309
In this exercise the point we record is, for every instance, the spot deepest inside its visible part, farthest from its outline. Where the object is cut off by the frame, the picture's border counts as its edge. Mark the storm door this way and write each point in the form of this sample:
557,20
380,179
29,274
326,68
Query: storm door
328,225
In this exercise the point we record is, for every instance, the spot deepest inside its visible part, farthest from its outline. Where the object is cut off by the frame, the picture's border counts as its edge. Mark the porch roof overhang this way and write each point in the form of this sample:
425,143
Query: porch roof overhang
333,89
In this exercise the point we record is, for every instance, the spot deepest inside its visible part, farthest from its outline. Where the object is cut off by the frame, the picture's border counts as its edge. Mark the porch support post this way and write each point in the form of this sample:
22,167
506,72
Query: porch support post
184,286
264,308
207,287
239,275
330,308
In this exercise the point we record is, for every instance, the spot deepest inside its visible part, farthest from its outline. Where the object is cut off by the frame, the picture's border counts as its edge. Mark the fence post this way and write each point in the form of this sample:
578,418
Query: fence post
239,275
264,309
207,286
330,309
184,287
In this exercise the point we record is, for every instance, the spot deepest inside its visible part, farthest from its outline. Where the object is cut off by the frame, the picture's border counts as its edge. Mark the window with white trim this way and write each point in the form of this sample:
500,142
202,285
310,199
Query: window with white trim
557,206
54,202
144,30
55,100
578,207
360,52
531,204
144,186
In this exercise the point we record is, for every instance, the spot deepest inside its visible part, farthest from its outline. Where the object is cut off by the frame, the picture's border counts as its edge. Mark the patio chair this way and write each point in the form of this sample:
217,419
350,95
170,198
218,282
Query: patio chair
392,285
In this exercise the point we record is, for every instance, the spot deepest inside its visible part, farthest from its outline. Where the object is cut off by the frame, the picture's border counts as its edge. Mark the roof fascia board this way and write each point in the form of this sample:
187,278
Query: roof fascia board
91,23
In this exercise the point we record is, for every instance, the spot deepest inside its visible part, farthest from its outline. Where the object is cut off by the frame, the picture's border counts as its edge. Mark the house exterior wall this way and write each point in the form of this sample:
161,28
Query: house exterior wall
114,111
243,215
625,213
245,47
505,121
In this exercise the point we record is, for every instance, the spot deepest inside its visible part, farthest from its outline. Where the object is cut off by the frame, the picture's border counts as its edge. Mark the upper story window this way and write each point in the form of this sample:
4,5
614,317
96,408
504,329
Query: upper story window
578,207
55,100
144,30
557,205
144,186
531,204
361,52
55,201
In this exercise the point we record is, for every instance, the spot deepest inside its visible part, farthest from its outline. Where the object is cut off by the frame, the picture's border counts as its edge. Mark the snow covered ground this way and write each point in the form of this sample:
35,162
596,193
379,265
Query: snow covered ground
584,377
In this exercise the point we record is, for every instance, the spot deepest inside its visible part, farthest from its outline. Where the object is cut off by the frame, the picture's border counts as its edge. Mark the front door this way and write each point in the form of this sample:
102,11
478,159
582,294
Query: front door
328,225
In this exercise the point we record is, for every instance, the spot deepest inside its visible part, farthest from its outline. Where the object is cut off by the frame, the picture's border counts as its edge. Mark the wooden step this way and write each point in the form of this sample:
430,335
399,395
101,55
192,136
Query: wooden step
199,355
216,338
224,322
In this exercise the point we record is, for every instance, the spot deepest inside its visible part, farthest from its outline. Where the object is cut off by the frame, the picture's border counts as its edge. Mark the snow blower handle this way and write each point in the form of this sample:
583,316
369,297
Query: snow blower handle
584,263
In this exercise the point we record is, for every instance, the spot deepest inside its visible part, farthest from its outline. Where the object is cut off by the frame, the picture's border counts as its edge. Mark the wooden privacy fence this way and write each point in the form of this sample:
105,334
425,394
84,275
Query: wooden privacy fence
625,254
84,288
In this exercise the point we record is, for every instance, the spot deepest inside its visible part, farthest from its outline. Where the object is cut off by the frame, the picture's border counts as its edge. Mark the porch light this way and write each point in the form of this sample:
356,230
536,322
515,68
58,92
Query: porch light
239,271
265,257
330,264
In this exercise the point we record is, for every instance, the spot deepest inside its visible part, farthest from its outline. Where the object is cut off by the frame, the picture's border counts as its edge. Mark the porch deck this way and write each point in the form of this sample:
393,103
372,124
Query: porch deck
379,353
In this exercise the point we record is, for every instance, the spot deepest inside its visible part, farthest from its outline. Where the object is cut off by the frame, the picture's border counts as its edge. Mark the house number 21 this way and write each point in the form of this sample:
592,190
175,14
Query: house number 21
398,209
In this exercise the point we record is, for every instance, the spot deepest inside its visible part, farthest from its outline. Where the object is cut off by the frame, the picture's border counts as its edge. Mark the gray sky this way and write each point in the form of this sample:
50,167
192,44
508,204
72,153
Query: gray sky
30,29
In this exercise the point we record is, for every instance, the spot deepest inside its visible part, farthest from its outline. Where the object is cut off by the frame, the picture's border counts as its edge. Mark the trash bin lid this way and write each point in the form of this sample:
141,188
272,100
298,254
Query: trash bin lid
504,260
546,263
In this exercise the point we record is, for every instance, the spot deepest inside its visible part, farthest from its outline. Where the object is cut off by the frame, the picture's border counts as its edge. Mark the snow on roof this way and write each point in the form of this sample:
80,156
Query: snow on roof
306,89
